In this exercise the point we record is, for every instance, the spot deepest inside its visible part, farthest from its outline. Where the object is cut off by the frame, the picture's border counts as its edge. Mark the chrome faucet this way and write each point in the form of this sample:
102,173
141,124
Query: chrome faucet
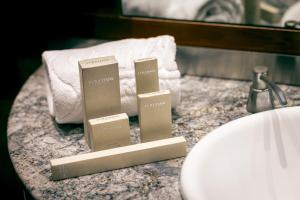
261,96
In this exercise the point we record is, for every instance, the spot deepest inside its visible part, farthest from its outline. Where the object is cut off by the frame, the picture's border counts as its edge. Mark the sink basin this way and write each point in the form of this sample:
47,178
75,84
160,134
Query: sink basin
254,157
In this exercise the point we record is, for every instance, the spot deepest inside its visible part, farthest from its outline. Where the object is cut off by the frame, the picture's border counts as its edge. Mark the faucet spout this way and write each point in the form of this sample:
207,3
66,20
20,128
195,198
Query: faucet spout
278,92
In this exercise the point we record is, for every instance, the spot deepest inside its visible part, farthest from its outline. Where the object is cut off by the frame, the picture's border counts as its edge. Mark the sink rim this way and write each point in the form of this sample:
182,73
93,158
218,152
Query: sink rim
192,158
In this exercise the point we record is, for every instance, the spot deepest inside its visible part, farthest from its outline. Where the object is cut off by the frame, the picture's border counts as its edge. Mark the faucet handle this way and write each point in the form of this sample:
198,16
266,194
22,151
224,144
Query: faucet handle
258,72
278,92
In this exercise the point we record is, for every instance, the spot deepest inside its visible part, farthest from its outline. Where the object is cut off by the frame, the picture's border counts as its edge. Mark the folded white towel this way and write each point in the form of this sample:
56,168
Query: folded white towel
63,86
230,11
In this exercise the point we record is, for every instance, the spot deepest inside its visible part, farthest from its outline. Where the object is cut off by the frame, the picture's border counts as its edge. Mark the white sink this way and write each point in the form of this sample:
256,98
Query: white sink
254,157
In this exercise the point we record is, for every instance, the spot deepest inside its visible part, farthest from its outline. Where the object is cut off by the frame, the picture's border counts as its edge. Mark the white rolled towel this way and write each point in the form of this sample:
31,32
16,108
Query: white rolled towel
63,84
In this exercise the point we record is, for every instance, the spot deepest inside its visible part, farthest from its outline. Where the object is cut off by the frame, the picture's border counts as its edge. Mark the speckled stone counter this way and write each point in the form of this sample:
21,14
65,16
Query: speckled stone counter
34,138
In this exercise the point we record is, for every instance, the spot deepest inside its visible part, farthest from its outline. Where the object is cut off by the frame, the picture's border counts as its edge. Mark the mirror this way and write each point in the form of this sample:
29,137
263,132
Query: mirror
274,13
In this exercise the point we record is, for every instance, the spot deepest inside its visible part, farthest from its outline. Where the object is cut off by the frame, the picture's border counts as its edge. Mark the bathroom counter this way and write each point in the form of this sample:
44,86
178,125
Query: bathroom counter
34,138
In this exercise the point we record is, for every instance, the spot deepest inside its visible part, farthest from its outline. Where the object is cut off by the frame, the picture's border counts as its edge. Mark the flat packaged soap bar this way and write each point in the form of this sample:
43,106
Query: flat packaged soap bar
109,132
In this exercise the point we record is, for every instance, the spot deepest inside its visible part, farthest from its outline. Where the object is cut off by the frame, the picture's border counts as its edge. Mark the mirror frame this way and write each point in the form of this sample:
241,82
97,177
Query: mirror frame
201,34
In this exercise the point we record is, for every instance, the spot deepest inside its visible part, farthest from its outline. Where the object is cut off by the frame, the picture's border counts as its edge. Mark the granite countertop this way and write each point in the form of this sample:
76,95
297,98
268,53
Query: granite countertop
34,138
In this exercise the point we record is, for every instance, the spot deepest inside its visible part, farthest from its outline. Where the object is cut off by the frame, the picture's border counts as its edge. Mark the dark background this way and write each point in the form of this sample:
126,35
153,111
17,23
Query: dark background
28,29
